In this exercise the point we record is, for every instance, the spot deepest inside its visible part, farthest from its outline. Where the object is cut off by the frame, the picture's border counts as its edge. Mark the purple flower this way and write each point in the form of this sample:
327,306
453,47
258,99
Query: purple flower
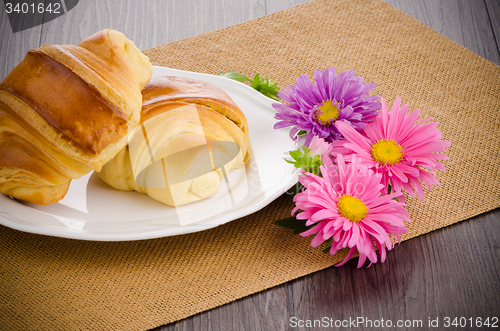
315,108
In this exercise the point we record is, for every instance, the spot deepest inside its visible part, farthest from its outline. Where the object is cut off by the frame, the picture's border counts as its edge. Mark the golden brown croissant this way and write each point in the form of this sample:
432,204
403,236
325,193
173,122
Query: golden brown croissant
191,135
66,110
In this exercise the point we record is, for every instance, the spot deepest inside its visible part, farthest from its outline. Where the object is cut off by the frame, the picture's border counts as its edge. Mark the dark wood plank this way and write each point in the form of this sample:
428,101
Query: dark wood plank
493,7
147,23
273,6
477,30
14,46
467,23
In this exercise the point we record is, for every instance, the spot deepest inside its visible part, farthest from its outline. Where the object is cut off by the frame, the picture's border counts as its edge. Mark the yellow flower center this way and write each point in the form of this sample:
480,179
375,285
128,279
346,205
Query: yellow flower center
328,112
352,208
387,152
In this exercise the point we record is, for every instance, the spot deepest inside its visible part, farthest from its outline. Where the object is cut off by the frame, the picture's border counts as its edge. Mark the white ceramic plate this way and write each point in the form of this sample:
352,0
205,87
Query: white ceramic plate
92,210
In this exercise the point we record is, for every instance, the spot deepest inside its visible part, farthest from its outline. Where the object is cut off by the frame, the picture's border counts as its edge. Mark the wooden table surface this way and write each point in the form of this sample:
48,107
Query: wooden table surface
448,273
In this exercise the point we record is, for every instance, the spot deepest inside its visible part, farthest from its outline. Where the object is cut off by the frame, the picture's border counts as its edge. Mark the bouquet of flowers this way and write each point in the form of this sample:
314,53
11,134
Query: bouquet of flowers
357,161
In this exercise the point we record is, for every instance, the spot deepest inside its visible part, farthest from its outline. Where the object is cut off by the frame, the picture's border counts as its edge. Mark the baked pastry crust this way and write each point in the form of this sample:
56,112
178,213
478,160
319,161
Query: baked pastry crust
67,110
191,127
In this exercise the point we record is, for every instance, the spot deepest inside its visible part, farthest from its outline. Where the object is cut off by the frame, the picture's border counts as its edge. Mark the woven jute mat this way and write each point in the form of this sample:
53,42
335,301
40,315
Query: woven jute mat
49,283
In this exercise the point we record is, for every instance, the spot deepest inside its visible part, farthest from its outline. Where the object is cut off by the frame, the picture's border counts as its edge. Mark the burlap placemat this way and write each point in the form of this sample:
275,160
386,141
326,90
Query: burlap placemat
49,283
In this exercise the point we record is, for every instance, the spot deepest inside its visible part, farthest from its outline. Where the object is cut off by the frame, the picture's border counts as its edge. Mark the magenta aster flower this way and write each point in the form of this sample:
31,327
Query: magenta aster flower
401,149
346,204
335,98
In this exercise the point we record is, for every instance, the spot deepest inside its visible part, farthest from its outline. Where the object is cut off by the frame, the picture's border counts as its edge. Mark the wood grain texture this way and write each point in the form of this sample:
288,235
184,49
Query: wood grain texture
450,272
468,23
493,7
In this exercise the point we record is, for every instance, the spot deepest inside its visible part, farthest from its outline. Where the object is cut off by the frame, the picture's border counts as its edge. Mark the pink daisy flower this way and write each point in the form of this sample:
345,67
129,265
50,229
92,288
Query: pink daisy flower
319,146
346,205
401,149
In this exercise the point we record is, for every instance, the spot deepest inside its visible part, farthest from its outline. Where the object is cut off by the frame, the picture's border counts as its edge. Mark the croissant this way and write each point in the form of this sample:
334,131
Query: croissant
67,110
190,136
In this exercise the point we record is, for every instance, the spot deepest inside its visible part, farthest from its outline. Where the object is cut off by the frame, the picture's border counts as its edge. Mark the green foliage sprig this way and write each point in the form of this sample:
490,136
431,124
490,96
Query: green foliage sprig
303,160
262,84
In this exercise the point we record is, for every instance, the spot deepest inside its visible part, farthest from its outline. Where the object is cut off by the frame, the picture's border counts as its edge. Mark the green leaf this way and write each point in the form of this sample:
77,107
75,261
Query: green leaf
292,223
302,160
265,86
301,133
296,154
294,190
235,76
256,82
299,226
328,243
